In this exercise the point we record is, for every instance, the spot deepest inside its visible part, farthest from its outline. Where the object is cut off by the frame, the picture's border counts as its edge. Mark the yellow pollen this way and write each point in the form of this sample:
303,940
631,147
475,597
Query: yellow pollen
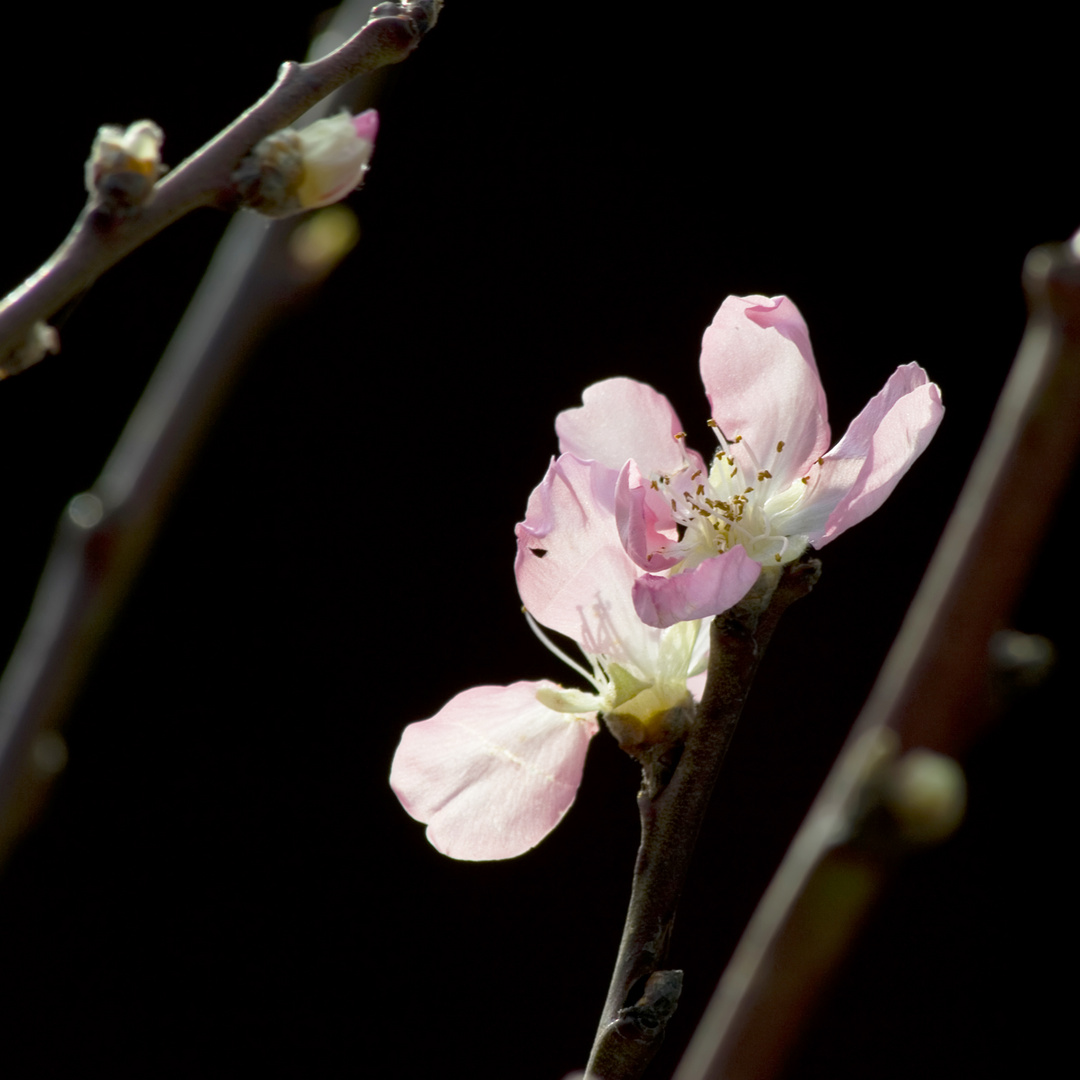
712,423
738,438
806,479
733,471
776,557
780,446
820,461
764,475
680,435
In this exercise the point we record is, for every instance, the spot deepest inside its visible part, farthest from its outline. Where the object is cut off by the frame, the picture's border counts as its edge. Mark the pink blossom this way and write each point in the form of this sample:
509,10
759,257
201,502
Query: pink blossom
773,488
495,770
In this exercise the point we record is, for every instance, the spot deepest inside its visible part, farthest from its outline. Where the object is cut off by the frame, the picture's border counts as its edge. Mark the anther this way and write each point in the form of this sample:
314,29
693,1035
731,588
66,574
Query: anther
776,557
680,435
780,446
764,475
747,491
733,471
696,475
806,479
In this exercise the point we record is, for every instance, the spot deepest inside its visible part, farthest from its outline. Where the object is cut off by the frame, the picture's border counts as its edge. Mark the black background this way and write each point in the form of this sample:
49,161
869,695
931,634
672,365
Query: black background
223,884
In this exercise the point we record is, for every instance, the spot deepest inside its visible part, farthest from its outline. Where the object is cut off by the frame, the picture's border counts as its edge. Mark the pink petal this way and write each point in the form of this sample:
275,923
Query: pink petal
366,124
644,521
762,382
572,571
493,772
881,444
716,585
621,419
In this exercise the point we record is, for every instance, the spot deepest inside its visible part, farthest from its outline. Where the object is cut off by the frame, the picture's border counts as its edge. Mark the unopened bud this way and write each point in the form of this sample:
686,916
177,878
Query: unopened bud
926,793
291,171
38,343
124,164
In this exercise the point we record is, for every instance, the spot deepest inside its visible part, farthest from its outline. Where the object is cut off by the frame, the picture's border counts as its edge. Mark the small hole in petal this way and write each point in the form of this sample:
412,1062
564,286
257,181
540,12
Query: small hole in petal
539,552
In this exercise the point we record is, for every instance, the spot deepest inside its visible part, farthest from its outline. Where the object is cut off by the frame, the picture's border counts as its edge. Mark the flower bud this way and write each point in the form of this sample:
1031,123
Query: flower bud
41,340
291,171
124,164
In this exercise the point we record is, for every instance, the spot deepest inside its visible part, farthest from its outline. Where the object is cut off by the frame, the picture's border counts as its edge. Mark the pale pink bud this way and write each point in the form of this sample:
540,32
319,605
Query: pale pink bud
335,152
291,171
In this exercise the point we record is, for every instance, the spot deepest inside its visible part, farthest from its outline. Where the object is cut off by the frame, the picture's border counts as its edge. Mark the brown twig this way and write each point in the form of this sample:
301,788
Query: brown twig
100,238
933,691
678,783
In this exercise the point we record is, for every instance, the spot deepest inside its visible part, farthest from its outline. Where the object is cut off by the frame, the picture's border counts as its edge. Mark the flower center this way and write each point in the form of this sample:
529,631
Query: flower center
734,503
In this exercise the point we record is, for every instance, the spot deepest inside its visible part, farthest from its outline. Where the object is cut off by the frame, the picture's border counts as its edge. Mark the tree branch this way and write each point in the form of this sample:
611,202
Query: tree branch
678,782
100,238
935,691
105,533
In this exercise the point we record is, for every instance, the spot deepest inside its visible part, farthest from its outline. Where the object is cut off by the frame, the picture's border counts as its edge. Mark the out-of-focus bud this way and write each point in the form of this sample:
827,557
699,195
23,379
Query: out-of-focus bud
291,171
926,793
124,164
38,343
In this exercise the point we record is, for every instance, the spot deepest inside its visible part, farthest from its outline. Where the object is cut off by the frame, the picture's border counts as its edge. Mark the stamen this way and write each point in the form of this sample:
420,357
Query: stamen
780,446
764,475
534,626
679,435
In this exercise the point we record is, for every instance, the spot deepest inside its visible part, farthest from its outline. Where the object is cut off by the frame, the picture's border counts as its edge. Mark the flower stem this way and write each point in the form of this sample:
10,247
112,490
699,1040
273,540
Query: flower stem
642,996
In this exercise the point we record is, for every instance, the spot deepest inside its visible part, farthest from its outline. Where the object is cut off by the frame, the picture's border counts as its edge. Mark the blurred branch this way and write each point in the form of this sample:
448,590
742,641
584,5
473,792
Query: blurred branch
678,781
260,271
935,691
101,237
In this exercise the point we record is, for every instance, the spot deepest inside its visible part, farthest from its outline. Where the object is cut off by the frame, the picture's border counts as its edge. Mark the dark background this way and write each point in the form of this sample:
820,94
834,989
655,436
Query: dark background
223,884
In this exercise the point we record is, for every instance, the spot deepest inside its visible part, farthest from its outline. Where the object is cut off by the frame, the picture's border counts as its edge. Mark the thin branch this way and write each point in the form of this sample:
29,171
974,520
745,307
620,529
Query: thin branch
100,238
105,533
934,691
678,782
